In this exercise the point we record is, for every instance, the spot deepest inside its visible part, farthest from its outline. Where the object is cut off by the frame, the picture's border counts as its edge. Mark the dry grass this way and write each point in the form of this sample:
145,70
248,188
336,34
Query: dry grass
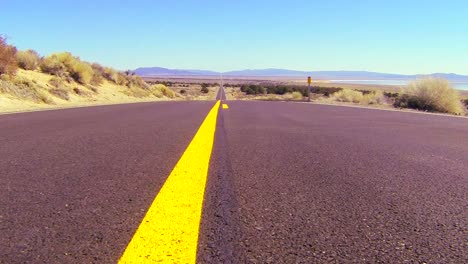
24,89
296,96
60,93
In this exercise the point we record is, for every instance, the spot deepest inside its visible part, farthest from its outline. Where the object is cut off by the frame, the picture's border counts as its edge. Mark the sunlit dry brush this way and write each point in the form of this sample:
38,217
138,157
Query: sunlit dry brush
359,97
8,63
28,59
374,97
348,95
24,89
297,96
65,65
431,94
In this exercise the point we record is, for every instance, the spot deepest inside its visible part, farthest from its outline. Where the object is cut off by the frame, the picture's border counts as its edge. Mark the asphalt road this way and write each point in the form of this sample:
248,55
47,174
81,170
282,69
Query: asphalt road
75,184
299,183
288,183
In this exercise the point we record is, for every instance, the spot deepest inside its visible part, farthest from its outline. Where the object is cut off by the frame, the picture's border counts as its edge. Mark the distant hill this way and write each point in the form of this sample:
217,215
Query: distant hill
158,71
323,75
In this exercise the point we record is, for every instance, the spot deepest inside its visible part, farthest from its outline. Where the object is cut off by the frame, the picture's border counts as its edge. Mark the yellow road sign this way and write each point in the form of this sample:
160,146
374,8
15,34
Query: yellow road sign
309,80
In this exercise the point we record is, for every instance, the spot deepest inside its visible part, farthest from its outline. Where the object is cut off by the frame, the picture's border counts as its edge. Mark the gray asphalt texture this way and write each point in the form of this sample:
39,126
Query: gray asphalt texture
75,184
288,182
301,183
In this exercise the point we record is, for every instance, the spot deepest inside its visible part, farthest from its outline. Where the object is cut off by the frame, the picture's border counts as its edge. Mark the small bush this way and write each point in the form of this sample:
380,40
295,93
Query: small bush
60,93
183,91
204,89
52,65
8,64
121,79
167,92
326,91
413,102
465,102
156,90
28,60
134,80
98,74
432,94
110,74
81,71
296,96
348,95
253,89
376,97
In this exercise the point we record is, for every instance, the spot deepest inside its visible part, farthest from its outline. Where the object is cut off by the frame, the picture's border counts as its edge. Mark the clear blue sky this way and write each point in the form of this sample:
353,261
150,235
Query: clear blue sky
411,36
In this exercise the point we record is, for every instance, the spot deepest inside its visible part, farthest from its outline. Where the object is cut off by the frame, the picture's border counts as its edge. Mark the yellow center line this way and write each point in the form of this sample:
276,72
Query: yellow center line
225,106
169,230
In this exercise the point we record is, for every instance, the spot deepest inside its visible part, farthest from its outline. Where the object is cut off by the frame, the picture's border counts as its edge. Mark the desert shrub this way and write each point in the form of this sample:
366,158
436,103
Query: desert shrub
160,90
183,91
465,102
252,89
204,89
98,74
110,74
52,65
28,59
348,95
326,91
413,102
121,79
134,80
391,95
65,65
8,64
156,90
81,71
296,95
60,93
373,97
432,94
167,92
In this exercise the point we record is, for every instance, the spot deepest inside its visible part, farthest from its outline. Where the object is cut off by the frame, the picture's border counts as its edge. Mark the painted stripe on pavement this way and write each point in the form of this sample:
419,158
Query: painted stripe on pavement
169,231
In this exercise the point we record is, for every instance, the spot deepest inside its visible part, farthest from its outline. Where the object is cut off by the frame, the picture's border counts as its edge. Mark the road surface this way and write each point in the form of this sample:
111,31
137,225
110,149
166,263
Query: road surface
287,182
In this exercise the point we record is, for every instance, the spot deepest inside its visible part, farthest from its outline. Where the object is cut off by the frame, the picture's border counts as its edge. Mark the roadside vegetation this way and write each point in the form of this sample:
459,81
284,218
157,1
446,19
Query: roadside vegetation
433,95
61,78
429,94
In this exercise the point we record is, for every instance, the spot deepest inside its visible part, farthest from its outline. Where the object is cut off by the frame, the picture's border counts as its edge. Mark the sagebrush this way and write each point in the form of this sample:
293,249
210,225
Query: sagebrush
431,94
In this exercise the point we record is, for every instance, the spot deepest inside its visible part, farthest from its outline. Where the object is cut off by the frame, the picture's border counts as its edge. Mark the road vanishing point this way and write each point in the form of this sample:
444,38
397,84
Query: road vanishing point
232,182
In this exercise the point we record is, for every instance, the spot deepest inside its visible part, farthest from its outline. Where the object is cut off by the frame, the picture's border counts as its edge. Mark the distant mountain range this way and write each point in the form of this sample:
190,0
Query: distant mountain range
322,75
